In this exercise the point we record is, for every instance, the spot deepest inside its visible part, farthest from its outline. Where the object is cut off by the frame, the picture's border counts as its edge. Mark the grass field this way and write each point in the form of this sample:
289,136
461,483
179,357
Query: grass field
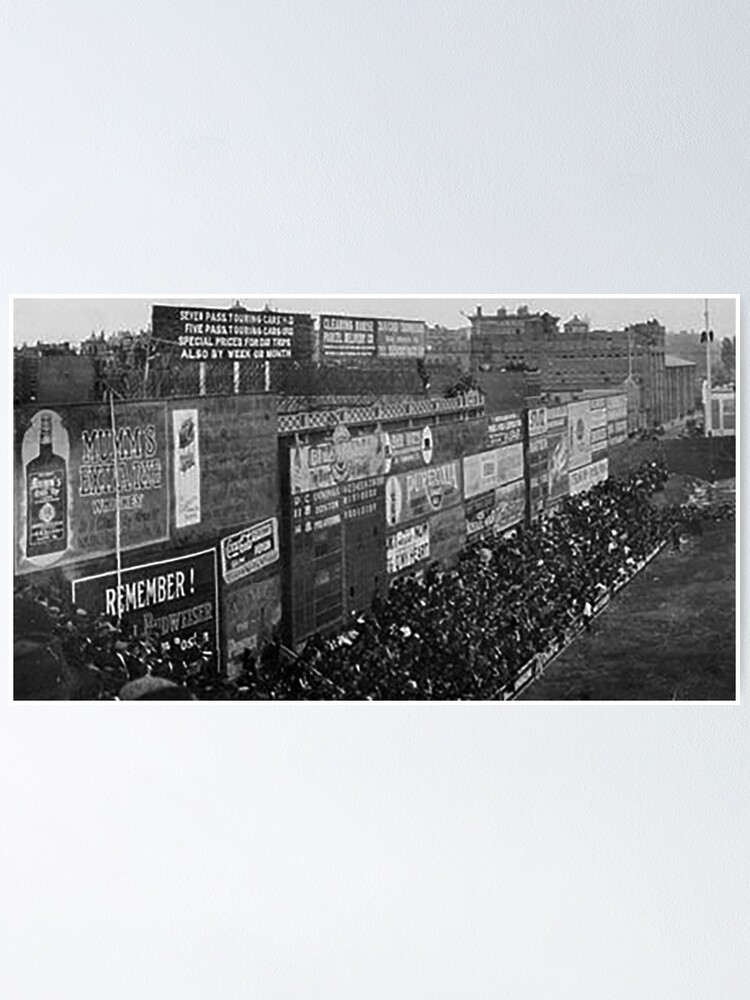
670,634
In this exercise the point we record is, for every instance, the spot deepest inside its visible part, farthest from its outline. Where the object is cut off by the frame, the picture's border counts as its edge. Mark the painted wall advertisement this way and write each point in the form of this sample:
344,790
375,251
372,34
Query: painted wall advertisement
169,598
335,460
400,338
579,434
187,468
491,469
510,502
447,533
347,336
67,486
480,516
557,462
504,428
225,334
252,611
407,449
250,550
583,479
415,494
537,421
493,512
407,547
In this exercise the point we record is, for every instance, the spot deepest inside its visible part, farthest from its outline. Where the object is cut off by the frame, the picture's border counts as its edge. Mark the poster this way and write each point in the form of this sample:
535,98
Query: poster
557,459
491,469
504,428
70,494
584,478
335,460
171,598
251,611
248,551
187,468
347,336
407,449
408,547
579,434
510,503
412,495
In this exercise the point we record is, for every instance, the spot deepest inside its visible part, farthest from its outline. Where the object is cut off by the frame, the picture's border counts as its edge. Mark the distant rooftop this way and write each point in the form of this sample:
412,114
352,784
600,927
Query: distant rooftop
671,361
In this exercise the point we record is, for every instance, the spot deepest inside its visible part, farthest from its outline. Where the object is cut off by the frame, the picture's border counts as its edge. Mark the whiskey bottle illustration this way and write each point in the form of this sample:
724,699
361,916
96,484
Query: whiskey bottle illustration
46,497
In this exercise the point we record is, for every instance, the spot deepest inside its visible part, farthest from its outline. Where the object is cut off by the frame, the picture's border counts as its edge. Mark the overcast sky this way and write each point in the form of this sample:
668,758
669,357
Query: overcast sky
59,319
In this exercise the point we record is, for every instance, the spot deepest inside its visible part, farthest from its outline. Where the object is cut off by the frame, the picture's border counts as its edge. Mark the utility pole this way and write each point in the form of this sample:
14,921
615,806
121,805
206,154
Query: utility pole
707,340
707,337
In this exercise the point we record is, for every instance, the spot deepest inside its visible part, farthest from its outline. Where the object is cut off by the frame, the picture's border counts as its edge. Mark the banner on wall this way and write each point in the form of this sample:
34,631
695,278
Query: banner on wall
557,463
187,468
336,459
170,598
504,428
583,479
510,503
411,495
67,488
250,550
407,547
491,469
579,434
407,449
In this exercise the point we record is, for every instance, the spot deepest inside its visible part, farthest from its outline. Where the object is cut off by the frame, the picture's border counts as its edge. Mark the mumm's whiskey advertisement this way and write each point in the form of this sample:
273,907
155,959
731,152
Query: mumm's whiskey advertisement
66,483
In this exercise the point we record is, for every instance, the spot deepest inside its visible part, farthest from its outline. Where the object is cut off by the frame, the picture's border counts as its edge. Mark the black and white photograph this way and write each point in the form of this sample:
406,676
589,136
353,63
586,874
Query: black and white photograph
379,499
375,389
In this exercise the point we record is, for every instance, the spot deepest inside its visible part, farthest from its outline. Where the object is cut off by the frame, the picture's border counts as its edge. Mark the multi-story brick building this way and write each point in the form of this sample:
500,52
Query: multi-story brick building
576,358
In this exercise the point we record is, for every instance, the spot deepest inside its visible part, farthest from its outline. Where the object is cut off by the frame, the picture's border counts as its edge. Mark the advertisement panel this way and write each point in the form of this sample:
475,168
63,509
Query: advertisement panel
251,612
347,336
335,460
537,421
187,468
170,598
617,407
504,428
225,334
67,486
557,462
411,495
407,547
583,479
400,338
579,434
510,502
491,469
250,550
447,534
480,516
407,449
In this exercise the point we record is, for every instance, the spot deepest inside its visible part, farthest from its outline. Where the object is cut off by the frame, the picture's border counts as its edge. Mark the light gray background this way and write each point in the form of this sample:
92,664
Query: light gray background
361,851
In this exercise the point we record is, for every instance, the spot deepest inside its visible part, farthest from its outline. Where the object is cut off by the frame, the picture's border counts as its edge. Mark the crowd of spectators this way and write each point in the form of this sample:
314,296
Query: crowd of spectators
466,632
